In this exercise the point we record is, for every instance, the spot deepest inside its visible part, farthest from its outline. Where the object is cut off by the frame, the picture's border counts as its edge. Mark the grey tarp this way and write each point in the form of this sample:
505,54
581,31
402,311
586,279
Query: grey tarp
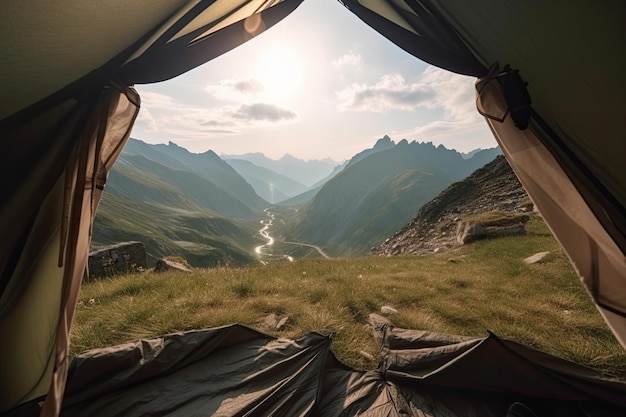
237,371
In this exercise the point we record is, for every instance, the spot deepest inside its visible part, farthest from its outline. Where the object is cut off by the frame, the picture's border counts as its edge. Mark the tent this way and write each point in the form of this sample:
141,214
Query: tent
68,106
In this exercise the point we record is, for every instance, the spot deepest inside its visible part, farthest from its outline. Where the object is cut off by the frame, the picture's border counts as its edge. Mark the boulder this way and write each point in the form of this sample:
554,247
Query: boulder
163,265
471,231
537,258
122,258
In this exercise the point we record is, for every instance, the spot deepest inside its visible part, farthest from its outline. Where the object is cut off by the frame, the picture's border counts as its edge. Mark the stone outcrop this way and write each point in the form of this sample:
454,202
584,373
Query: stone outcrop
472,230
122,258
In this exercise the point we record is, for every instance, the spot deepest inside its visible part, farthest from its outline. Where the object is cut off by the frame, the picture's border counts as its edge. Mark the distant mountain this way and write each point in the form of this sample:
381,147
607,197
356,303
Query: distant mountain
375,195
179,203
206,165
268,184
305,172
381,144
470,154
303,198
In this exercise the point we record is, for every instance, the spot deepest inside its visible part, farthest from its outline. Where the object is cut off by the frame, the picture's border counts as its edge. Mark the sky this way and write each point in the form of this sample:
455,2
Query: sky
319,84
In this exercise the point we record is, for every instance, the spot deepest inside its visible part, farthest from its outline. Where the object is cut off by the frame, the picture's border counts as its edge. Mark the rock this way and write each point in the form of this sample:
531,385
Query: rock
366,355
537,258
122,258
163,265
388,310
281,324
270,321
469,232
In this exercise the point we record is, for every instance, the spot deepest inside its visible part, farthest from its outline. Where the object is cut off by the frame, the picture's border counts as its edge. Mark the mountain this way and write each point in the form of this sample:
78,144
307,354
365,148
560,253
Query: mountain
268,184
305,172
375,195
381,144
206,165
492,188
303,198
179,203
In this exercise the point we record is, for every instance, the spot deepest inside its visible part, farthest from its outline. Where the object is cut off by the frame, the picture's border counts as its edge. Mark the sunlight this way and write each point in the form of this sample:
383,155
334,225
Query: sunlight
280,69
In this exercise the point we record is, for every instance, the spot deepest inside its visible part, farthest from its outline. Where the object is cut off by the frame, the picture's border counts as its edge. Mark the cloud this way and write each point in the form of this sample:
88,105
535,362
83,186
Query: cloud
156,100
435,89
174,119
263,111
146,121
349,59
235,89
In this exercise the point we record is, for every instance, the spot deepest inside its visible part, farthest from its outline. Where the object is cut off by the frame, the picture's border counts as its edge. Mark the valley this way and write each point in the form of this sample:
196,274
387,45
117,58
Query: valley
274,250
247,209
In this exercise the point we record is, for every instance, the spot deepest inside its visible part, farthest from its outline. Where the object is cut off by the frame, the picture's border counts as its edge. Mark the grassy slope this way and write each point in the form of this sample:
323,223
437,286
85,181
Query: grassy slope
487,286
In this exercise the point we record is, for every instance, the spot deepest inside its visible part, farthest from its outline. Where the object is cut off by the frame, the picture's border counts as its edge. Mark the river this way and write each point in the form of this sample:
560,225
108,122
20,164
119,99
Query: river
268,252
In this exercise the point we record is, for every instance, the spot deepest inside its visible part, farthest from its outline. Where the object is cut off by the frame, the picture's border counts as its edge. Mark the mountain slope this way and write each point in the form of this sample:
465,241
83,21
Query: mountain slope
493,187
206,165
375,196
179,204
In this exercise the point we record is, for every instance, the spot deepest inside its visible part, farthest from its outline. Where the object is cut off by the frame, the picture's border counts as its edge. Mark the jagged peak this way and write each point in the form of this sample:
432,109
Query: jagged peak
385,141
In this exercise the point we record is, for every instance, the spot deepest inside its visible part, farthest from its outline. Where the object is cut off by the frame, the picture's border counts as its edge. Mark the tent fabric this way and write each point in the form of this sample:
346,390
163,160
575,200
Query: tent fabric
62,142
576,105
237,371
596,257
66,73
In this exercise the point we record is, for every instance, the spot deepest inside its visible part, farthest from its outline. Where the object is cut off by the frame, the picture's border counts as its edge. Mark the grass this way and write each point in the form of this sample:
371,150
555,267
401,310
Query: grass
483,286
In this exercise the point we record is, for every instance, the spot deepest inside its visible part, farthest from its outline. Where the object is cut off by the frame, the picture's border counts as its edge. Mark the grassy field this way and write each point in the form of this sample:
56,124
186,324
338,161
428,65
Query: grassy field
483,286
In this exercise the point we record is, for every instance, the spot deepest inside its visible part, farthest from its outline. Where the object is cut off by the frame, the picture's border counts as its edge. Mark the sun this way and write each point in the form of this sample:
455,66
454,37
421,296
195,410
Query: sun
280,68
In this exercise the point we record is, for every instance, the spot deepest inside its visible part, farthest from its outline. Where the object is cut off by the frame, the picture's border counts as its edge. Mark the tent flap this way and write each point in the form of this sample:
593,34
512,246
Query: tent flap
235,371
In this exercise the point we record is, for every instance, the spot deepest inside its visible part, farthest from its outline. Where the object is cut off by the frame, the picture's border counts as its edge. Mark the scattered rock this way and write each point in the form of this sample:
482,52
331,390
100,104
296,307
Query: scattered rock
163,265
388,310
281,324
537,258
270,321
366,355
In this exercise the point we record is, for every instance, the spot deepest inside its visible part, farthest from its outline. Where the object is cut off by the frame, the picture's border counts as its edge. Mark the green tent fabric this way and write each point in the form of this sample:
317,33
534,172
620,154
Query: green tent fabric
236,371
68,106
67,110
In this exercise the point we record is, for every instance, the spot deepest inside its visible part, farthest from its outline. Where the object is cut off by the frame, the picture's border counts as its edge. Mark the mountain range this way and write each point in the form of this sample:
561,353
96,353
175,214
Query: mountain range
208,209
179,203
307,173
377,192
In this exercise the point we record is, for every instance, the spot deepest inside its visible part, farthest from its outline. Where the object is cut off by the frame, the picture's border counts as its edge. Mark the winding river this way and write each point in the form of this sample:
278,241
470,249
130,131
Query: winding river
267,252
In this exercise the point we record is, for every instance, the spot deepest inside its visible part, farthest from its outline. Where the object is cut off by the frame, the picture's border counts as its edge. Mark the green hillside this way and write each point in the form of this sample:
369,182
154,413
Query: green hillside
483,286
173,204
